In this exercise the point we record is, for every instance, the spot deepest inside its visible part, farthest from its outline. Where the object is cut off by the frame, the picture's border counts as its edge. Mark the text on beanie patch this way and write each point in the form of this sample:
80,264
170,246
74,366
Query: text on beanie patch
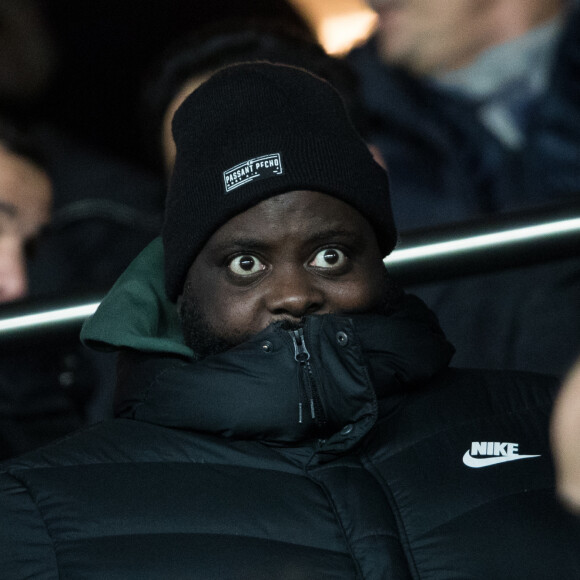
252,170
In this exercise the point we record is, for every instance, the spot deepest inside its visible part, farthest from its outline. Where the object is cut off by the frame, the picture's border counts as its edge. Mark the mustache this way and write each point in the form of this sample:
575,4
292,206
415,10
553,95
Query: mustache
295,324
288,324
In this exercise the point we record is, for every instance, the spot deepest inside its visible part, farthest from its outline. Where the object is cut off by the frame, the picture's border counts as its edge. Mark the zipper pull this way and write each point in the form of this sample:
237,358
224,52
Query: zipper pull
301,353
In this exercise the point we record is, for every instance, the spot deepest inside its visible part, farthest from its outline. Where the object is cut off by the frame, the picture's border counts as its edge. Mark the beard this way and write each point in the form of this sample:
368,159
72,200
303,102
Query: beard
206,340
200,335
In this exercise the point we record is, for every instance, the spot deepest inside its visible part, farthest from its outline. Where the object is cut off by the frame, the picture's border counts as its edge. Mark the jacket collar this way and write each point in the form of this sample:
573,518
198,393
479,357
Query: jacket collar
261,389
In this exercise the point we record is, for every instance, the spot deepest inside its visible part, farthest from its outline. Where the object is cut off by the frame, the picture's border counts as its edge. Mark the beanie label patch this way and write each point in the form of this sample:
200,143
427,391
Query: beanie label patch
252,170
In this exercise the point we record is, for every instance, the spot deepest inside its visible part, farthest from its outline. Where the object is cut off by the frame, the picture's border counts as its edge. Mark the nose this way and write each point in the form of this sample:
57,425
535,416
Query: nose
13,276
293,293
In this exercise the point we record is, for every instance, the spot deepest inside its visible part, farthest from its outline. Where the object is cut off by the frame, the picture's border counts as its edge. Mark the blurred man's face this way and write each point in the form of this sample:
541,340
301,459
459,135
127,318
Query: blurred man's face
432,36
167,142
566,440
292,255
25,202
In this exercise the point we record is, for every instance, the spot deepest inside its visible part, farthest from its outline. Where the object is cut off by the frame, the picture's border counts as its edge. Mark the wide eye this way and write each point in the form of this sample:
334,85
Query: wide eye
329,258
246,265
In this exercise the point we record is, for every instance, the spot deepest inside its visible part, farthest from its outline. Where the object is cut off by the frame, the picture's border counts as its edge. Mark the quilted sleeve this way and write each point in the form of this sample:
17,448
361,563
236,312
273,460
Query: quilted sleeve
26,549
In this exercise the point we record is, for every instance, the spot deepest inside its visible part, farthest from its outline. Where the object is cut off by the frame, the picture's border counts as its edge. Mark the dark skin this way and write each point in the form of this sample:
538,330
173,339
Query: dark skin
293,255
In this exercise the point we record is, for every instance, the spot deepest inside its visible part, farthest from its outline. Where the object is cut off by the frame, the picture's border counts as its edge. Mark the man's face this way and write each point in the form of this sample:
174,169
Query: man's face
167,143
292,255
25,201
432,36
565,434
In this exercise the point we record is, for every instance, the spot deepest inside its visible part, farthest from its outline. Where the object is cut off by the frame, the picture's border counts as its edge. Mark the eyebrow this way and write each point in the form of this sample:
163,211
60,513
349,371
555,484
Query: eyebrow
239,244
344,234
8,208
250,244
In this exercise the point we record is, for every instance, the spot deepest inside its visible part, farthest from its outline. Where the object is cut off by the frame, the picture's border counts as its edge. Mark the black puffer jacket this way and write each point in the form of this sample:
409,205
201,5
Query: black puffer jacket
351,461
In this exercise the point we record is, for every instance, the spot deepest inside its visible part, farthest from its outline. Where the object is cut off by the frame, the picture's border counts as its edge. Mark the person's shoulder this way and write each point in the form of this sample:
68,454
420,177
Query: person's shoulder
458,397
490,388
476,394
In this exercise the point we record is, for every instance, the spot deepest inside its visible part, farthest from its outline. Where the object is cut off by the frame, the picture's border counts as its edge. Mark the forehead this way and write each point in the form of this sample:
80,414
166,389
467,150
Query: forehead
298,215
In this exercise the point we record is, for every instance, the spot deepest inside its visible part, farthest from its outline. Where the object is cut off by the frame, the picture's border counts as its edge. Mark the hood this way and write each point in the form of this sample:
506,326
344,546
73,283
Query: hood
136,314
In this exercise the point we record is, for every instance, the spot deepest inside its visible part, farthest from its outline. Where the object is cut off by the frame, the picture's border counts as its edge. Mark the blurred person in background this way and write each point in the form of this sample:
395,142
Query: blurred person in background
26,66
71,219
191,60
68,226
70,222
25,206
475,108
566,439
478,101
36,404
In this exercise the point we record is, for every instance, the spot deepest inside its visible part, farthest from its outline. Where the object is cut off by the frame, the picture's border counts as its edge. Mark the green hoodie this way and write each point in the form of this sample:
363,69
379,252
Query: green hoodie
136,314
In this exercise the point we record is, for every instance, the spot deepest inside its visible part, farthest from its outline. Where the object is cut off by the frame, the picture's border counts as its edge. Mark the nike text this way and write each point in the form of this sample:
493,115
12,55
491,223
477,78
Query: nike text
486,453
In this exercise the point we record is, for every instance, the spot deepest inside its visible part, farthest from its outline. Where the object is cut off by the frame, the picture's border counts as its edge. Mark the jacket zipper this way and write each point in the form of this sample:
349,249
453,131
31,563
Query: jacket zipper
302,356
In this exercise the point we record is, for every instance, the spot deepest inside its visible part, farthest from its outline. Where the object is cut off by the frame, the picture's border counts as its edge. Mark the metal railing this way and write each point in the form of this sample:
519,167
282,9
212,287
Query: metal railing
422,256
504,241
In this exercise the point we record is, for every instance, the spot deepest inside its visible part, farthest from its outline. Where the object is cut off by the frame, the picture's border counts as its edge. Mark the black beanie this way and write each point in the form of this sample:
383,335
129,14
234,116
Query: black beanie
253,131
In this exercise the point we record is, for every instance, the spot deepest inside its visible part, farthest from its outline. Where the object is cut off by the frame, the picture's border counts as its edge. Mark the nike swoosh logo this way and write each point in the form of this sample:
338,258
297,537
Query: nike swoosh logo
476,462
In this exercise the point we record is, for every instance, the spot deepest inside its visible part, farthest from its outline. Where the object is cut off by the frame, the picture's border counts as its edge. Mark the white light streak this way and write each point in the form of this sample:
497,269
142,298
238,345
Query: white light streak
71,314
441,249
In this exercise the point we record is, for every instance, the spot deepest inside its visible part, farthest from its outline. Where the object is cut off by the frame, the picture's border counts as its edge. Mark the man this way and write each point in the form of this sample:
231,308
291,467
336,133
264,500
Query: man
478,98
297,419
475,110
25,204
57,237
430,38
565,439
34,408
